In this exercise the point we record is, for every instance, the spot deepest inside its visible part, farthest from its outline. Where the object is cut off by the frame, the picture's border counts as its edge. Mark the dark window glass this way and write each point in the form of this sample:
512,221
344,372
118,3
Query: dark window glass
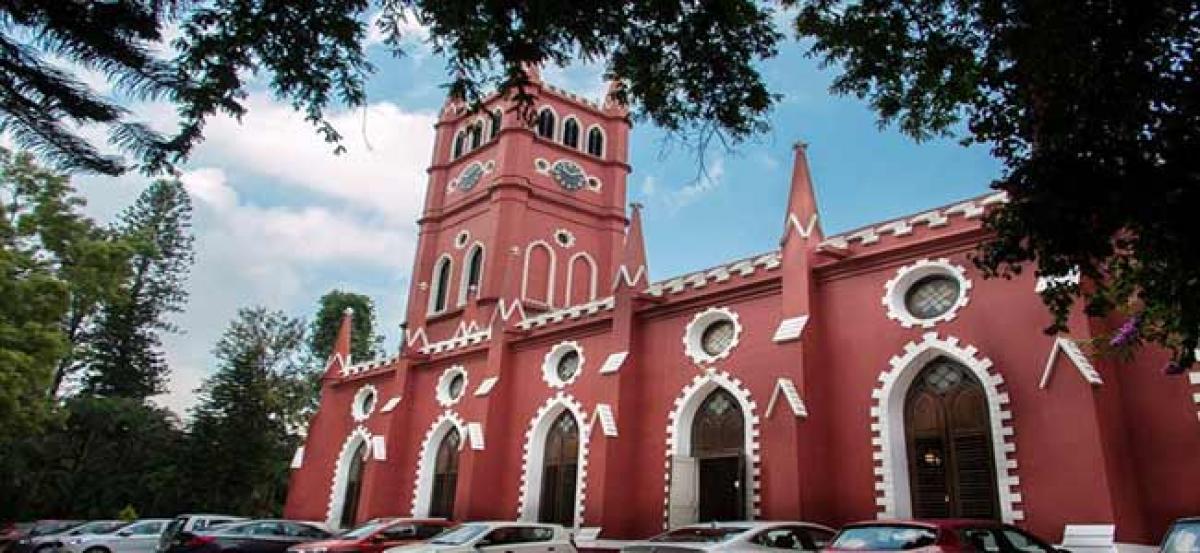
595,143
1020,541
699,535
717,337
571,133
474,271
982,540
476,134
497,122
459,142
568,365
441,286
931,296
780,538
1184,537
545,124
353,486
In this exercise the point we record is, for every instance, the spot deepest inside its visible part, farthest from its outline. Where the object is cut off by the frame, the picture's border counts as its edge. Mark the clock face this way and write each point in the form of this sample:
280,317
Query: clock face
470,177
568,174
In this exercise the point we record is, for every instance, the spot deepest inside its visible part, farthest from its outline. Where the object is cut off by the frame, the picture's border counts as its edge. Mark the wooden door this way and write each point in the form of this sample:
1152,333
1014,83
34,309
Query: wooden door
560,470
718,444
445,476
950,457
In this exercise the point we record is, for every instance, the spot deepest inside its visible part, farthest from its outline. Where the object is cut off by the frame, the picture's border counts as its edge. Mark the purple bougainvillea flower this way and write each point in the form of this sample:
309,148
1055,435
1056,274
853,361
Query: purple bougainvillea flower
1127,333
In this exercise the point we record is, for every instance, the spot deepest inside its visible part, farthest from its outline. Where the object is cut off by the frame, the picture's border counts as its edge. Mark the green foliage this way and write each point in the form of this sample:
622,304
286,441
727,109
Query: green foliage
364,344
1091,105
124,357
245,428
686,65
128,514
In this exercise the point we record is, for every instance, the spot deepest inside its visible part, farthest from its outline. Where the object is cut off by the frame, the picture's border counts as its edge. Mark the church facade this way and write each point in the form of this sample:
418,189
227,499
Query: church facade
874,373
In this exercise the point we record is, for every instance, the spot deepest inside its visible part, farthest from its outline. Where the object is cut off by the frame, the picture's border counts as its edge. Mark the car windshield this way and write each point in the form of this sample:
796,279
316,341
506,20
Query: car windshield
366,529
54,527
700,535
98,527
1184,538
885,537
460,535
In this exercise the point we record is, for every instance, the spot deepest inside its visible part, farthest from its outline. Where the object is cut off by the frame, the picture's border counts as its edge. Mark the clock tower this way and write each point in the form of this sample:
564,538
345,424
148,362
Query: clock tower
518,212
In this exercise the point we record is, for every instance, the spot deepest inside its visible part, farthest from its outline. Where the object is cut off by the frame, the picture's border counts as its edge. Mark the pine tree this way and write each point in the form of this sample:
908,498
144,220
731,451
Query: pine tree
124,355
244,429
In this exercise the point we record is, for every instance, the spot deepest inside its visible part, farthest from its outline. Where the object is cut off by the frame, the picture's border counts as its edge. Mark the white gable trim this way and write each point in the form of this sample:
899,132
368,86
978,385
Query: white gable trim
887,425
787,388
298,458
608,423
427,459
1077,357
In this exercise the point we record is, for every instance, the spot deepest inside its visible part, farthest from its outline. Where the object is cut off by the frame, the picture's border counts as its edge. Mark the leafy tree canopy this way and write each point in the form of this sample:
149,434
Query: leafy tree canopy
686,65
364,344
1094,108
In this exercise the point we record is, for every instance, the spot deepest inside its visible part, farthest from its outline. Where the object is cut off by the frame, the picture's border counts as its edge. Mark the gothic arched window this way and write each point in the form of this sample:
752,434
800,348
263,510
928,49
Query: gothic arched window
497,122
440,286
595,142
445,476
459,143
560,470
476,134
472,274
545,124
571,133
353,491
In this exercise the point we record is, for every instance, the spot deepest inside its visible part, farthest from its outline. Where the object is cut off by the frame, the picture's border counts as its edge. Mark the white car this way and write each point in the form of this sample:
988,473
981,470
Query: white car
139,536
49,542
507,537
739,536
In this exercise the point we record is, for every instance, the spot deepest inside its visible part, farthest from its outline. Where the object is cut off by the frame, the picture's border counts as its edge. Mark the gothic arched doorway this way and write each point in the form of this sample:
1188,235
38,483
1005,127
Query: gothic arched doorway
949,443
445,476
718,445
354,476
560,469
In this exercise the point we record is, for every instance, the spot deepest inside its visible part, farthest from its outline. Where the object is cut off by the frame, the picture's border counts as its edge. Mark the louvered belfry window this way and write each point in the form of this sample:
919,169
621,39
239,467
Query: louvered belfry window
950,458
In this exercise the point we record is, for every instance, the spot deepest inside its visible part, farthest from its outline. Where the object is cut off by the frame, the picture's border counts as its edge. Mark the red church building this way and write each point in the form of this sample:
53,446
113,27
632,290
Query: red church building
873,373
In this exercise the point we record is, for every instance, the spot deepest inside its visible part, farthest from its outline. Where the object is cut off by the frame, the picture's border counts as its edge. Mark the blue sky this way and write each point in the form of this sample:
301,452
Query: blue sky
280,220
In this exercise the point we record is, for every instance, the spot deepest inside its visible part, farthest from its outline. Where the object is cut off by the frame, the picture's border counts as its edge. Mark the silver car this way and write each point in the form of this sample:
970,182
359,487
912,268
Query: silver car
738,536
139,536
507,537
49,542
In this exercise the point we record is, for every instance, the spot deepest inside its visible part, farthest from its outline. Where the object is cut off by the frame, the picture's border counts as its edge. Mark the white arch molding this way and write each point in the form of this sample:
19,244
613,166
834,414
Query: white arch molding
679,433
533,457
887,425
591,263
427,459
341,474
603,139
550,274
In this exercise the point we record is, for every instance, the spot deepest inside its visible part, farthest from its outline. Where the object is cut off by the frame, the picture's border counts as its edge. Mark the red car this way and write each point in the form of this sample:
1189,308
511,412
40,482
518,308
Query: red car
376,535
945,536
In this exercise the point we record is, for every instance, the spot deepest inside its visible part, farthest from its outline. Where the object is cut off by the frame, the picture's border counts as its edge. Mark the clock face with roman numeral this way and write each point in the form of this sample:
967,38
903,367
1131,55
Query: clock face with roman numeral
568,175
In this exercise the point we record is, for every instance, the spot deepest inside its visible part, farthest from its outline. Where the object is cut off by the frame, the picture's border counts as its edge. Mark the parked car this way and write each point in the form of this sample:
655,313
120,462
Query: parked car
10,532
947,536
191,523
50,542
739,536
511,537
255,536
376,535
139,536
40,529
1183,537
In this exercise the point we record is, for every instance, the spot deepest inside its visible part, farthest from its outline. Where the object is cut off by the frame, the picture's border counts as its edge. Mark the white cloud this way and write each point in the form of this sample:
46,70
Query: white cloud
413,35
585,78
709,180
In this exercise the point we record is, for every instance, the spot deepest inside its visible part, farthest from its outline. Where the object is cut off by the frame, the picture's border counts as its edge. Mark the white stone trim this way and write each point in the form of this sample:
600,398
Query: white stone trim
608,422
613,363
378,448
790,329
475,433
570,238
427,458
550,364
549,277
694,331
390,405
887,424
715,275
679,432
486,386
1194,380
356,405
787,388
534,451
566,313
895,290
298,458
337,488
970,209
591,263
442,394
1075,354
462,238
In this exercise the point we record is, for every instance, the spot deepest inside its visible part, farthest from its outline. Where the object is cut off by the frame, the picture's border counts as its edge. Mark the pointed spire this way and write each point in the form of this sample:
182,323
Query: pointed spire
801,219
633,272
340,357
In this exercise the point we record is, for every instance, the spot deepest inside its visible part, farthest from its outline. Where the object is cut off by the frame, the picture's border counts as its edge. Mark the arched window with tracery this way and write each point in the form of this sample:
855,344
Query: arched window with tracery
440,286
571,133
560,470
354,477
445,476
545,124
472,275
719,447
595,142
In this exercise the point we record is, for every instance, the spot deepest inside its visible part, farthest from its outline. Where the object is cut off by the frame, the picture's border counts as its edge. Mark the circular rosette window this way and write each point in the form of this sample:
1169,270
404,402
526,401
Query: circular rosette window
365,400
926,293
451,386
712,335
563,364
